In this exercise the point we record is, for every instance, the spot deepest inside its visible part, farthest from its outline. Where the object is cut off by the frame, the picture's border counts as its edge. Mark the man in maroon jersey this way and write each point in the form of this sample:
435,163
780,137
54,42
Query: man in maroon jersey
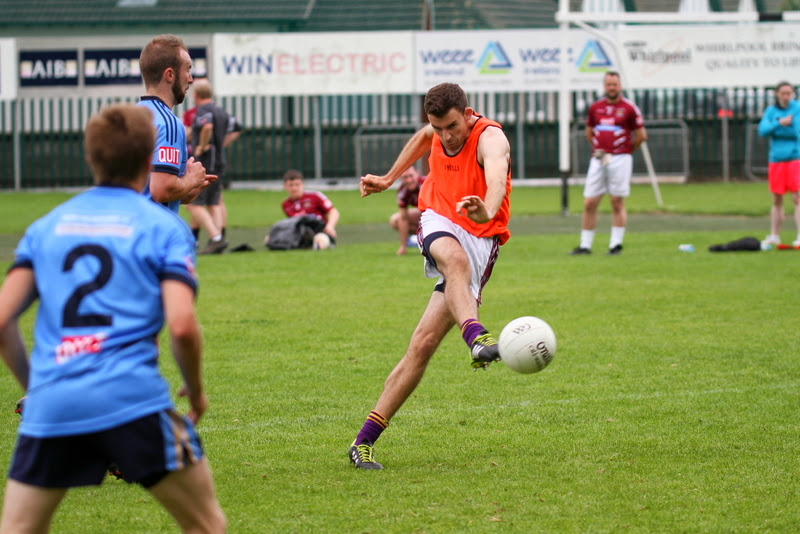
406,219
614,128
302,202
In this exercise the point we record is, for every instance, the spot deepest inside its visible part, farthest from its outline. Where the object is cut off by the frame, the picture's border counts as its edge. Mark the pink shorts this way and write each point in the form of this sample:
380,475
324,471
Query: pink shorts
784,176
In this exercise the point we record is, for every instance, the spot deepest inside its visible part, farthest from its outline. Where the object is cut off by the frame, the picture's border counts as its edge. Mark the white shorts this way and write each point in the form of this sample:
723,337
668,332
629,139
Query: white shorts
614,178
481,251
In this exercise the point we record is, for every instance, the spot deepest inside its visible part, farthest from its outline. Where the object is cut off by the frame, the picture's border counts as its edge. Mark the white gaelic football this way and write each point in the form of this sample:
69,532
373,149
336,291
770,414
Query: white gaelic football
527,344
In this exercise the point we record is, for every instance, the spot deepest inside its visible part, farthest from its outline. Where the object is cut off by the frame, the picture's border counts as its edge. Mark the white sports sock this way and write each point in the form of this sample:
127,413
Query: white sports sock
217,238
587,238
617,234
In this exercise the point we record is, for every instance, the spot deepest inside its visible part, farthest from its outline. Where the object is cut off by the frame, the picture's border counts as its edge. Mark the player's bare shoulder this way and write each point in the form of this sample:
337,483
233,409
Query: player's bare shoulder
493,143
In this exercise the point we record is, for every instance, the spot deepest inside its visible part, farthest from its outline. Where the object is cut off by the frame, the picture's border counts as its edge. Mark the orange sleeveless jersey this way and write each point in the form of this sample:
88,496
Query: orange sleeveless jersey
453,177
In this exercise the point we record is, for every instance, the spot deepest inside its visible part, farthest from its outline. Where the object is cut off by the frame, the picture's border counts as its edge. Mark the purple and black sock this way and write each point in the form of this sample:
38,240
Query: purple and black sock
470,329
372,429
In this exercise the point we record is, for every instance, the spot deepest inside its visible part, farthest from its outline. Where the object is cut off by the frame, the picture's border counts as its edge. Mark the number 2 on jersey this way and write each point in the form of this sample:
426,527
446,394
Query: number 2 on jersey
71,316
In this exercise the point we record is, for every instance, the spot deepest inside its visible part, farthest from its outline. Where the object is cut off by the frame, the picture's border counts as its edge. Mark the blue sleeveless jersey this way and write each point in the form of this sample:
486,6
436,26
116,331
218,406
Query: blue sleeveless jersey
170,153
98,261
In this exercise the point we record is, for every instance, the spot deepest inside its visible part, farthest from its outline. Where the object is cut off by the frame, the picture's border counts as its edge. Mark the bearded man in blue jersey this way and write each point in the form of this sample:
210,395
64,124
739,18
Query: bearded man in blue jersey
110,268
175,178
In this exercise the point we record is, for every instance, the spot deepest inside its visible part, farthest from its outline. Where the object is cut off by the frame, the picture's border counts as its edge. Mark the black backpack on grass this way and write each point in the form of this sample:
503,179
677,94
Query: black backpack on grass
745,243
294,232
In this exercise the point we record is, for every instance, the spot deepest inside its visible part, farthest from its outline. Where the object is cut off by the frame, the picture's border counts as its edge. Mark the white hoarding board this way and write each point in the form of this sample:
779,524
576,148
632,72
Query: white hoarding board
8,69
509,60
313,63
710,56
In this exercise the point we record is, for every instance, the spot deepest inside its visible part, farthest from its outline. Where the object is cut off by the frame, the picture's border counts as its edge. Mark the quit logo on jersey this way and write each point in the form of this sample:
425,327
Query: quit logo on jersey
187,260
168,154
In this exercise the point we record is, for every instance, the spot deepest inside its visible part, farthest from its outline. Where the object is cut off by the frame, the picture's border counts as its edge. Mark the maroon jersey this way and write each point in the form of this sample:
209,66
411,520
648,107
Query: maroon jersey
613,124
311,203
407,198
188,116
188,119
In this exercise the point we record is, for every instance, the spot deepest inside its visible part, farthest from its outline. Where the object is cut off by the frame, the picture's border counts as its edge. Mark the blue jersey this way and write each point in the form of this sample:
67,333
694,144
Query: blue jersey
784,141
98,261
170,153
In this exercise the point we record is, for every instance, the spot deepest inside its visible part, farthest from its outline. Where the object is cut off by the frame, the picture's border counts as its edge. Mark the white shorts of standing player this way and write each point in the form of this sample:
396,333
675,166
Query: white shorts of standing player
610,174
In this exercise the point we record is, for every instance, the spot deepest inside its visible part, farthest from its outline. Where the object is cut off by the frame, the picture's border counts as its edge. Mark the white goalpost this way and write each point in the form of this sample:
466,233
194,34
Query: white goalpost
565,18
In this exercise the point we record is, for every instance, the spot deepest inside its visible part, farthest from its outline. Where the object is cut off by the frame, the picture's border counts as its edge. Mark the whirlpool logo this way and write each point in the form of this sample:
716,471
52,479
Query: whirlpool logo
671,52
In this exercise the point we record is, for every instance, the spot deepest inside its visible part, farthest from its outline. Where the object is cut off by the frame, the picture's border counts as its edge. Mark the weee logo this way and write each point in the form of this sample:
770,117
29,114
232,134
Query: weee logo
493,60
593,58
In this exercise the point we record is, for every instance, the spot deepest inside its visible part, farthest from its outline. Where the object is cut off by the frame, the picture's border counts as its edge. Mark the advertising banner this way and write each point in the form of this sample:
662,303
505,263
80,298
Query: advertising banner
709,55
111,67
313,63
509,60
8,69
48,68
121,66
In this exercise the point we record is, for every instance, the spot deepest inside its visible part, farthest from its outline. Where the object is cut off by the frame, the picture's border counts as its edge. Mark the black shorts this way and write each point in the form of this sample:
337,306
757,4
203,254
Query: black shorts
144,450
211,195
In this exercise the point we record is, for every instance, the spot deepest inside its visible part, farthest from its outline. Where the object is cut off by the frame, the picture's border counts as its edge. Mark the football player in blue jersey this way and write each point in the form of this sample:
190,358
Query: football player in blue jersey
167,73
109,268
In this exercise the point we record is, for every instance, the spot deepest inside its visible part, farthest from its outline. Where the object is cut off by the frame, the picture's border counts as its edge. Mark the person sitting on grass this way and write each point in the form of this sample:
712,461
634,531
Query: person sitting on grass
302,203
406,219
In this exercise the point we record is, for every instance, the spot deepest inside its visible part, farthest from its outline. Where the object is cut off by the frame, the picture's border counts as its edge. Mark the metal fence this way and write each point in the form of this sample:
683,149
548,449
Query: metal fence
670,154
756,158
41,139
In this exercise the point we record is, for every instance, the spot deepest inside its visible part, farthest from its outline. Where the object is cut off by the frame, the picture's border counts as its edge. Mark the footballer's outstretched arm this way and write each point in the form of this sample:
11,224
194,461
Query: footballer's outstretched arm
415,148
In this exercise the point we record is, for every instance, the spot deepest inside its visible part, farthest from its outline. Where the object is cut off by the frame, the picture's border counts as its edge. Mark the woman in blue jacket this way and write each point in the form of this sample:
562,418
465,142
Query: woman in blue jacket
781,123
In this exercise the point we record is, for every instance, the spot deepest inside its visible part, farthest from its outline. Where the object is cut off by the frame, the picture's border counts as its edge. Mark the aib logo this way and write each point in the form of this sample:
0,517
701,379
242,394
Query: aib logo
494,60
593,58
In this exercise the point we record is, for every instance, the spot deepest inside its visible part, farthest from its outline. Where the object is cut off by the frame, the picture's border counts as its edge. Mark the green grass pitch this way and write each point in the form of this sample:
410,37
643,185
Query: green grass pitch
671,404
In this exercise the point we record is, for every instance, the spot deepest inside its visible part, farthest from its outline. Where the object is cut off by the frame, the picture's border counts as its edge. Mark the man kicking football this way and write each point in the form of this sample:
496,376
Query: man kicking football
465,209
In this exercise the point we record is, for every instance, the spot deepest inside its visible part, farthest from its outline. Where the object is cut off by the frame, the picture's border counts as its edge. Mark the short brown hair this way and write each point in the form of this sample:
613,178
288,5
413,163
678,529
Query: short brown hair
202,89
118,143
444,97
161,53
292,174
